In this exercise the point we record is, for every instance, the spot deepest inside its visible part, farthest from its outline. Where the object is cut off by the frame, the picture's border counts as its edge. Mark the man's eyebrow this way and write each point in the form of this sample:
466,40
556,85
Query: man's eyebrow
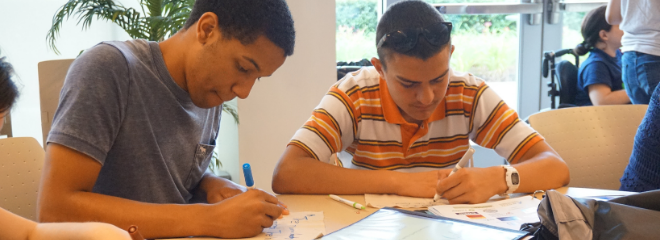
253,62
411,81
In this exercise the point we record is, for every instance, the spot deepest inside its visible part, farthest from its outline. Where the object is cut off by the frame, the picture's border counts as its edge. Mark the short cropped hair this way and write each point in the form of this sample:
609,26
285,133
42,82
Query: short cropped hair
409,15
246,20
8,90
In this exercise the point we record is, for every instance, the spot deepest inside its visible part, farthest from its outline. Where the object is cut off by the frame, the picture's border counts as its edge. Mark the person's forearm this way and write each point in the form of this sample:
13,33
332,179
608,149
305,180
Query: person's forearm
13,226
300,174
613,12
78,231
173,220
615,97
544,171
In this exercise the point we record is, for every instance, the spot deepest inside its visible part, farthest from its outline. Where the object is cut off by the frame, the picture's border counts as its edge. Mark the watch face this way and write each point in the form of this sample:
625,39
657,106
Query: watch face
515,180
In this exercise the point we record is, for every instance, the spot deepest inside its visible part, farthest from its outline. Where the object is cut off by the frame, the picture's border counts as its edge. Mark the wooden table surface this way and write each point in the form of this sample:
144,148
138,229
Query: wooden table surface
338,215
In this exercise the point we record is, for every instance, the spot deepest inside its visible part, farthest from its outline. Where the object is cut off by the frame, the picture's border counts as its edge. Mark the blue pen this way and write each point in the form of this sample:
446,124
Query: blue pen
247,172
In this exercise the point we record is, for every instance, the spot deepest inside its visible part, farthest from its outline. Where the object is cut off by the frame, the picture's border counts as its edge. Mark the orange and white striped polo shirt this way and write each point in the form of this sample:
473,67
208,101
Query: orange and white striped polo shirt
358,117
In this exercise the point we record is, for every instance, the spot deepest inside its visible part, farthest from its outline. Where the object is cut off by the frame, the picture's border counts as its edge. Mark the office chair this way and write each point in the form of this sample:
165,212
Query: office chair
565,74
595,141
20,172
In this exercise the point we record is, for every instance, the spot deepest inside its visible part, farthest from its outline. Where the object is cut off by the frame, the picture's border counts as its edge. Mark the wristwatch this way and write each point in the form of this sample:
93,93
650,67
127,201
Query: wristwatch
512,179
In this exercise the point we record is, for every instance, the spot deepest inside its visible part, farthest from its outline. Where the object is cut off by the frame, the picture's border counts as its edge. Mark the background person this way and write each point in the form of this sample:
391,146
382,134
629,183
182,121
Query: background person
640,22
599,77
643,170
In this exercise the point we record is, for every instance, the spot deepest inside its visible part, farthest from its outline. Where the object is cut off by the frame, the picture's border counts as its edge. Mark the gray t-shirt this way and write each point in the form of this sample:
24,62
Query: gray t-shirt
120,106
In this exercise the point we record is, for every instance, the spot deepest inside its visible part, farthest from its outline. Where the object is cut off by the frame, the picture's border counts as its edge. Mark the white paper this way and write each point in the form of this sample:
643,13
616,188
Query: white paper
509,213
381,201
296,225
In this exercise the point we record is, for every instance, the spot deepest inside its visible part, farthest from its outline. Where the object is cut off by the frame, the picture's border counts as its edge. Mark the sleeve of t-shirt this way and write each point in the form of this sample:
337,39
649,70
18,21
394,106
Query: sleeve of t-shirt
92,102
331,128
596,73
496,126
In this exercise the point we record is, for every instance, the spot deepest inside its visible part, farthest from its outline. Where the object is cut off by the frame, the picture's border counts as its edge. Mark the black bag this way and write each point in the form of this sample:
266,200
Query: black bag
635,216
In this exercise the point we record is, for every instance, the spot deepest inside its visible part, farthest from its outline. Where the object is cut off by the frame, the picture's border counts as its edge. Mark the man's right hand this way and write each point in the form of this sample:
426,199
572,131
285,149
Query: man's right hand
244,215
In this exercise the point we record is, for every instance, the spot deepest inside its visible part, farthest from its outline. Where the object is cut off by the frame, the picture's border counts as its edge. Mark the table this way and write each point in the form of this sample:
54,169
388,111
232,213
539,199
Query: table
339,215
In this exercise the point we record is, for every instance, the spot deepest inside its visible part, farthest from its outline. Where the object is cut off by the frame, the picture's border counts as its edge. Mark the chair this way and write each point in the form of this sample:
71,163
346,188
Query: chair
20,172
51,79
567,75
596,142
6,130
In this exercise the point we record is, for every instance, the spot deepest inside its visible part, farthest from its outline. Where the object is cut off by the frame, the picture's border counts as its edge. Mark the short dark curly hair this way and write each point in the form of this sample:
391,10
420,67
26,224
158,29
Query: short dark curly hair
246,20
8,90
409,15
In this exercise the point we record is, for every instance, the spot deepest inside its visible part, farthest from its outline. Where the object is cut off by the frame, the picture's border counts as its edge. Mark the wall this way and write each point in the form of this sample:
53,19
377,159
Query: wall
23,28
279,105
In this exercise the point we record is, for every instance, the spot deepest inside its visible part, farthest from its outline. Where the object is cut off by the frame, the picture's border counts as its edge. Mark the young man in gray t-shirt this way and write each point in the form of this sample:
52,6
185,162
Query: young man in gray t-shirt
137,122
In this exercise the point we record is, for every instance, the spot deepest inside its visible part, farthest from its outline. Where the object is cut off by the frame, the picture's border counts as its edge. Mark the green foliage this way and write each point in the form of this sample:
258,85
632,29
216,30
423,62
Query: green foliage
160,18
357,20
494,60
357,15
215,165
481,23
354,46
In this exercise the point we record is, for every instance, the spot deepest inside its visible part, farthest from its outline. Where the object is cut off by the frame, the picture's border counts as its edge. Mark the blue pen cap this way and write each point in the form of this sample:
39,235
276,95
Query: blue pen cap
247,172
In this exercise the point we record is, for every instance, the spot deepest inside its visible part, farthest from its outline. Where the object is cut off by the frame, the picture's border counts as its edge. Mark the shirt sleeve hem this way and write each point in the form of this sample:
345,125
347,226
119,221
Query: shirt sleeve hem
79,145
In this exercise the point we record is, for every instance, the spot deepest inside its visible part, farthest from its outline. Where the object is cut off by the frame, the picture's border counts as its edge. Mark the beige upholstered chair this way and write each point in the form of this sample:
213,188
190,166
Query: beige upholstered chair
596,142
21,161
51,79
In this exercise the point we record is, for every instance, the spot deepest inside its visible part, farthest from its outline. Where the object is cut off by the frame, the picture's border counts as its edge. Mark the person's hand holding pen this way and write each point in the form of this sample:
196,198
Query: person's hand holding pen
218,189
242,215
471,185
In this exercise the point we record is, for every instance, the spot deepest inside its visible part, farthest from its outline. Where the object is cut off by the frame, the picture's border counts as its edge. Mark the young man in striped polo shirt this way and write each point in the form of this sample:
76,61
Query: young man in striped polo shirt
413,114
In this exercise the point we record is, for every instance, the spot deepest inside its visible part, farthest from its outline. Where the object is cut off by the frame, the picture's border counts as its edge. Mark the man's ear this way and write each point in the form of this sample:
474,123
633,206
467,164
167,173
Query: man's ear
378,65
452,50
207,28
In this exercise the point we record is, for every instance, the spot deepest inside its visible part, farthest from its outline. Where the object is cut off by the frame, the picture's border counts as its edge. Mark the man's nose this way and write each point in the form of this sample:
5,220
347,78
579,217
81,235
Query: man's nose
425,95
243,88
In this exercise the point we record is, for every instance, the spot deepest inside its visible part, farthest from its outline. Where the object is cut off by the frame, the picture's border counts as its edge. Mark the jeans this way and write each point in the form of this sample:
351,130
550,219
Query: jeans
641,74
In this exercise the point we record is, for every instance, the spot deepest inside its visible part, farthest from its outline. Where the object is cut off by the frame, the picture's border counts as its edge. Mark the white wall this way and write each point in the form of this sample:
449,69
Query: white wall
23,28
279,105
